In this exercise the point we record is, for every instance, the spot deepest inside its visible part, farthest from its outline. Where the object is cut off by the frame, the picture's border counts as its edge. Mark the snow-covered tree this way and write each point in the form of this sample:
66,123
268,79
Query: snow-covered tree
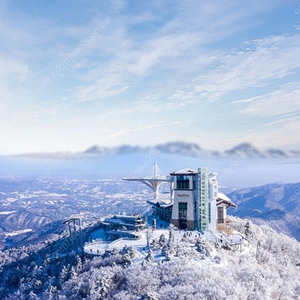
148,236
162,240
154,244
149,258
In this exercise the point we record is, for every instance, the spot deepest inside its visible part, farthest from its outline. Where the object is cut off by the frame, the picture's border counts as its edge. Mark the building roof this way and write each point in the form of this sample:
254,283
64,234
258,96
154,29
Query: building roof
222,198
127,218
184,171
123,220
161,204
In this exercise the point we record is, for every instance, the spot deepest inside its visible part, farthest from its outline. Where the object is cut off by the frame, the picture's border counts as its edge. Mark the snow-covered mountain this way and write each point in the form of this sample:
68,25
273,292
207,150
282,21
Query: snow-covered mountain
40,260
276,204
194,150
123,149
186,149
33,210
38,207
244,149
176,148
190,266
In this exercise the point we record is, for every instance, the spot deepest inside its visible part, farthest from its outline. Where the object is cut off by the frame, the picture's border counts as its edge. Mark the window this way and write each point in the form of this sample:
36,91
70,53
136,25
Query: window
220,215
182,209
209,212
183,182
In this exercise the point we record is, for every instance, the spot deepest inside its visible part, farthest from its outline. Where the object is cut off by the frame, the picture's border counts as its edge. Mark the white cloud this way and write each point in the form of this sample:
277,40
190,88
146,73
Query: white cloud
105,87
283,101
268,59
170,45
11,69
144,128
181,95
282,133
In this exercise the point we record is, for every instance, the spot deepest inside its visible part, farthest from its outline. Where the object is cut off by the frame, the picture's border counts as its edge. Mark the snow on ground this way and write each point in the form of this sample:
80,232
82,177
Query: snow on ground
11,199
99,245
14,233
7,212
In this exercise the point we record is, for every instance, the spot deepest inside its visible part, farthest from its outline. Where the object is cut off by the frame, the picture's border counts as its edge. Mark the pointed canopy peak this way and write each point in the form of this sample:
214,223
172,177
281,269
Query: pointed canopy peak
185,171
222,198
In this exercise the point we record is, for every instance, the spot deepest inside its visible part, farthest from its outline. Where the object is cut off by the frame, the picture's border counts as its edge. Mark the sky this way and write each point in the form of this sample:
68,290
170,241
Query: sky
74,74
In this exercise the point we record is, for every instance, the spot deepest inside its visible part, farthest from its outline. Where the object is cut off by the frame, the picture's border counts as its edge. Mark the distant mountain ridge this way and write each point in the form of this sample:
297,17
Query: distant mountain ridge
245,150
276,204
194,150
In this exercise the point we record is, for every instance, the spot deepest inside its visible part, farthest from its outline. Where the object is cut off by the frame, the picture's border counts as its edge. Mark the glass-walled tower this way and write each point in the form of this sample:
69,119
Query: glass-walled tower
202,201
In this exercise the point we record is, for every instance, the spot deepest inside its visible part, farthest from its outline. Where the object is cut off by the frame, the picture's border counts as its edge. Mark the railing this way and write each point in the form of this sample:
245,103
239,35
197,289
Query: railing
119,240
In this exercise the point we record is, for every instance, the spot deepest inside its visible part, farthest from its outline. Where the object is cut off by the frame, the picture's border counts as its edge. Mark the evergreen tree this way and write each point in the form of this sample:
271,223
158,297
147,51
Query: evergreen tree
149,258
154,244
162,240
248,232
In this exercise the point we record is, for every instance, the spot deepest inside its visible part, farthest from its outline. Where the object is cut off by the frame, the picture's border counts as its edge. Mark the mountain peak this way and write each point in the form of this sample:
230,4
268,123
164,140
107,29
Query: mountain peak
96,150
194,150
243,149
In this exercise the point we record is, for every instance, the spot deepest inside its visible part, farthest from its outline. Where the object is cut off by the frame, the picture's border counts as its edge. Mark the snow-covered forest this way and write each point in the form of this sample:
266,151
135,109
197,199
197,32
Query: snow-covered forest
190,268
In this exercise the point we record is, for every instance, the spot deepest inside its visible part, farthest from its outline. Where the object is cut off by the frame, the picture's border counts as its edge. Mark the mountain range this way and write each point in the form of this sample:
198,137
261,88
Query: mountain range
179,148
39,207
275,204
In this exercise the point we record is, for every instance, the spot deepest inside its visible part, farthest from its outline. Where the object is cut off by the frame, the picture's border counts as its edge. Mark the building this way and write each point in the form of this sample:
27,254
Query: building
123,226
195,202
223,202
161,210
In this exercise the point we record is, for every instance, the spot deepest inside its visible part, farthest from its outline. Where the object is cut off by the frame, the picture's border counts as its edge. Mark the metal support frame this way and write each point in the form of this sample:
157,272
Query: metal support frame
153,182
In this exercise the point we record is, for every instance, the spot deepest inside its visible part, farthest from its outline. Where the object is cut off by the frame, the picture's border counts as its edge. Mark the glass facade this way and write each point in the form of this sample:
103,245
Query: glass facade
202,214
182,210
221,215
183,182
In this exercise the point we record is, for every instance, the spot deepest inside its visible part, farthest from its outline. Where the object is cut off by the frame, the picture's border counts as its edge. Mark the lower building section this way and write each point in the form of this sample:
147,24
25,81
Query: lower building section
123,226
176,223
161,210
183,210
191,225
183,224
225,228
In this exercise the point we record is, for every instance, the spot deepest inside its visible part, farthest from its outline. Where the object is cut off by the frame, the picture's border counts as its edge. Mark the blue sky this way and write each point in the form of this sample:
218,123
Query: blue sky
78,73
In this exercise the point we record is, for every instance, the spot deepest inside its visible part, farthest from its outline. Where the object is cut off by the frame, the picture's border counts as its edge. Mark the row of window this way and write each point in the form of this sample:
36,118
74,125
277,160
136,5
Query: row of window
183,182
182,212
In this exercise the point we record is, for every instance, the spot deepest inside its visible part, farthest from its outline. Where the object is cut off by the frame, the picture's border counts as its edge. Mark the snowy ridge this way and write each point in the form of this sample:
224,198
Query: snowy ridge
99,246
275,204
176,266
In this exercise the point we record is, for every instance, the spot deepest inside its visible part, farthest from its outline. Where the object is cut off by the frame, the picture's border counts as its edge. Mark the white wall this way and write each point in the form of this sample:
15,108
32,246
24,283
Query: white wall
186,197
213,195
